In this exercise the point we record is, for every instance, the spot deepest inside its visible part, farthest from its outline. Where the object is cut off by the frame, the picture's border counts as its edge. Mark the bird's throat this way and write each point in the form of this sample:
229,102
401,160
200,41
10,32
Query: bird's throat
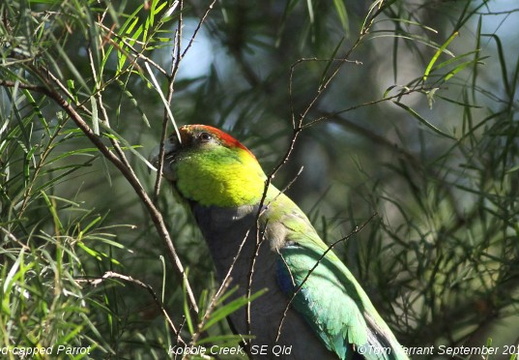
221,181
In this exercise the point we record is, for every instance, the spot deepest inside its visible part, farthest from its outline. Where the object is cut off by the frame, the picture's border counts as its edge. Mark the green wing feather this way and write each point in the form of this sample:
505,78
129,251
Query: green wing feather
330,299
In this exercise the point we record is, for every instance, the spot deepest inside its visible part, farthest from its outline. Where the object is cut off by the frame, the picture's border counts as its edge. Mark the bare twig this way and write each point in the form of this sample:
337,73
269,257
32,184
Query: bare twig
177,56
299,126
130,279
260,238
175,65
210,308
330,247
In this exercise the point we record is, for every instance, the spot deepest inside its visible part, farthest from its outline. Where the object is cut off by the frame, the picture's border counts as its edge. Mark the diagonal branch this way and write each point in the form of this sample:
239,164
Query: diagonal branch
114,275
355,231
125,170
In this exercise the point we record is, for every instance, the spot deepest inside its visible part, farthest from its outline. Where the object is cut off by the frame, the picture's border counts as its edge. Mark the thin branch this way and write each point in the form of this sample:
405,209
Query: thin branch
138,54
127,278
353,233
396,97
198,27
175,66
210,308
260,238
126,171
297,128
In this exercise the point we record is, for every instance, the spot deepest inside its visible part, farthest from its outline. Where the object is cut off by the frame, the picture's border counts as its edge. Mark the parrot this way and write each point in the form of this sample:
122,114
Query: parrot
313,307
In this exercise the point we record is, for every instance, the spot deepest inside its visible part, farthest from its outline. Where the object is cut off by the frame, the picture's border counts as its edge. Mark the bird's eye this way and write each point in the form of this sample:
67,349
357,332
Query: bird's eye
205,137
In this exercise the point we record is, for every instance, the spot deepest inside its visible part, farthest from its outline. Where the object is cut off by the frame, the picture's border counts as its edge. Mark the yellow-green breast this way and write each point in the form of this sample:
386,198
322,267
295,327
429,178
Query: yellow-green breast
221,177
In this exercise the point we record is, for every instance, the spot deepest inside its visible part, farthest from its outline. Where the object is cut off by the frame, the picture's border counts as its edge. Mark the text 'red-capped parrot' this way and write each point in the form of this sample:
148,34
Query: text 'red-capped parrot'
330,316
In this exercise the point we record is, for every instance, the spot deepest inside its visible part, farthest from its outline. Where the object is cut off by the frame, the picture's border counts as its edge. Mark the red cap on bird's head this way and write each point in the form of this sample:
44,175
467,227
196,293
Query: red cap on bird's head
186,133
210,167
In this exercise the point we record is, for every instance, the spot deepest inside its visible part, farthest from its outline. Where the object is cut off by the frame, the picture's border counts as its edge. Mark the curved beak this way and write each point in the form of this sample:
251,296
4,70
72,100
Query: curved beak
154,157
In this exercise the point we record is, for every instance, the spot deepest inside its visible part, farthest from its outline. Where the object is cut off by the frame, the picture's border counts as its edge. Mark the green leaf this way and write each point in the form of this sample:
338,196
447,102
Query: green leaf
230,307
343,14
437,55
423,121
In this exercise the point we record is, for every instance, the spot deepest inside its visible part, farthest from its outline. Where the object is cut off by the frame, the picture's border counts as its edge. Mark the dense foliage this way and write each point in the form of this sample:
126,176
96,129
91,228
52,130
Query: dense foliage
392,123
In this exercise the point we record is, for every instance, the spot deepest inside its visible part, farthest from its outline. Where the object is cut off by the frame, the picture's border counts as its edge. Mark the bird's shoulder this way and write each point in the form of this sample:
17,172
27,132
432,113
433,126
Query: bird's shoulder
285,222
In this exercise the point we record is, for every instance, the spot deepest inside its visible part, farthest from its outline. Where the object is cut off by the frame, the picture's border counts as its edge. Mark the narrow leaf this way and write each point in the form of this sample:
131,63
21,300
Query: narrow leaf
424,121
437,55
